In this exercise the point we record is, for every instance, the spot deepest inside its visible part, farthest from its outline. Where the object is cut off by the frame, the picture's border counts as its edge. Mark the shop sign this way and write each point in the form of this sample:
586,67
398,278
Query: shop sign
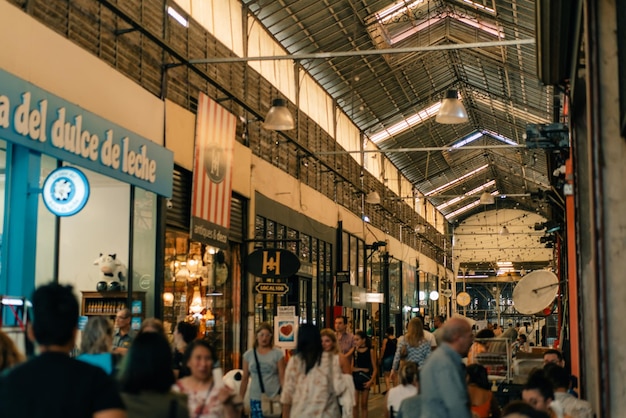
65,191
343,277
39,120
272,263
287,311
353,296
272,288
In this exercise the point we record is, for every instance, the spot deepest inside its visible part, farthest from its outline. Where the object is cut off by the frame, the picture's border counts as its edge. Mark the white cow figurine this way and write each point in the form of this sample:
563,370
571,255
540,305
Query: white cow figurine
110,267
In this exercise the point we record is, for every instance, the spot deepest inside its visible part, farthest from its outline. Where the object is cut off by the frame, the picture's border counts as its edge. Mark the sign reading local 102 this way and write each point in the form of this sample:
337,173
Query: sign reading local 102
34,118
65,191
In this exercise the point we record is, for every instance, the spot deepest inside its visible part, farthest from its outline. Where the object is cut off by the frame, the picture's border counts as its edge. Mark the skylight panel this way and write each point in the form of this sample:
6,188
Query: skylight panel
457,180
488,27
177,16
398,9
499,137
480,6
479,134
467,207
457,199
467,140
407,123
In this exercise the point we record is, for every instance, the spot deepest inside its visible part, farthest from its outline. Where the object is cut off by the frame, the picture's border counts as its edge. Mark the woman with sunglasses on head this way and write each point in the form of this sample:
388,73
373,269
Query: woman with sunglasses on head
267,360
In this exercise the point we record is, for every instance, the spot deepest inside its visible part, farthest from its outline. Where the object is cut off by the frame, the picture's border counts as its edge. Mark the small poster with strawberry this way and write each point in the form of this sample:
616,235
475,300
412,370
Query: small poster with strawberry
286,331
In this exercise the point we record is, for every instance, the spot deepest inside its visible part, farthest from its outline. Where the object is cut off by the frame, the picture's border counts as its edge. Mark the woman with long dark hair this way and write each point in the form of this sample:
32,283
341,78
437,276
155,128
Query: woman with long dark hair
364,372
483,403
184,334
388,350
312,379
146,379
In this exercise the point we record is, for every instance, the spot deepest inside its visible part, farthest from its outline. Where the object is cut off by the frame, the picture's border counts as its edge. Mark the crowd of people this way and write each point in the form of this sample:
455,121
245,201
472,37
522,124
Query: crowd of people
120,373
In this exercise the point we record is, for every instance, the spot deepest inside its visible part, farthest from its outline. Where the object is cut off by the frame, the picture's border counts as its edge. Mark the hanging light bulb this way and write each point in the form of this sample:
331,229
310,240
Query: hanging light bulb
168,299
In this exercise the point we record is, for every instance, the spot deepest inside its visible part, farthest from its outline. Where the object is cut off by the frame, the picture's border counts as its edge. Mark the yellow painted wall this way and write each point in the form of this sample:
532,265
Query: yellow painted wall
180,133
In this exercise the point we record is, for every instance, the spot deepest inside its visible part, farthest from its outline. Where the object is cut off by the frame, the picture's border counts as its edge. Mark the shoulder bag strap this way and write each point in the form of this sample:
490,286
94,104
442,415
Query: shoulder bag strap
258,369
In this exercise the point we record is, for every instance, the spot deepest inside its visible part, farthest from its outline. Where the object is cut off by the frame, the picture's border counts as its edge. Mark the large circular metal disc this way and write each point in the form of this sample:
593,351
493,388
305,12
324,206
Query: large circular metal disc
535,291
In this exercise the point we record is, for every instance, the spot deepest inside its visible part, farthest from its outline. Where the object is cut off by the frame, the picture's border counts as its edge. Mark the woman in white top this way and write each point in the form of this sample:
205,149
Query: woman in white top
409,385
206,398
313,380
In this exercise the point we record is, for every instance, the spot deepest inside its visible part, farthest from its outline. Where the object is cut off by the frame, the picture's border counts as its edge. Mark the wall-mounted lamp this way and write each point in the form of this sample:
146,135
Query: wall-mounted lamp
279,118
434,295
452,110
487,199
504,230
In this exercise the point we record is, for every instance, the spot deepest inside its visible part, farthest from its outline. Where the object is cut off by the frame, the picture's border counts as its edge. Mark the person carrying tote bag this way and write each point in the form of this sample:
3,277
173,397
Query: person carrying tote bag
270,405
263,371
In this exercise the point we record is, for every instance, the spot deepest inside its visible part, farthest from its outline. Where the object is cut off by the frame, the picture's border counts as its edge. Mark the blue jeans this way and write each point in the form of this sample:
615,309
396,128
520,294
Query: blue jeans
255,409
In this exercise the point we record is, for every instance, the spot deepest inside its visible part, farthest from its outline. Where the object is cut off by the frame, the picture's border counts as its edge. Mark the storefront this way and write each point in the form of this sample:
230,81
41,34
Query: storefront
78,189
310,289
202,282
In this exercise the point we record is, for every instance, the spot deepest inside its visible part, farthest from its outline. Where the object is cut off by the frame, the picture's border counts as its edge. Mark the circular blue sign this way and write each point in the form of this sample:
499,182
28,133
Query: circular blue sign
65,191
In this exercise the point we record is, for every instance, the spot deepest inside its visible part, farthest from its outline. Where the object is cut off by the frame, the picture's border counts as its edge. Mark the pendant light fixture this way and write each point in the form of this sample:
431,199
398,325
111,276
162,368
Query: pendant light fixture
487,199
279,118
372,198
452,110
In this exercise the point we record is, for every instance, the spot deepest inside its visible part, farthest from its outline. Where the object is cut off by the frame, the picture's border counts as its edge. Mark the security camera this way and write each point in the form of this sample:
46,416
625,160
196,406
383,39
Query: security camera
169,203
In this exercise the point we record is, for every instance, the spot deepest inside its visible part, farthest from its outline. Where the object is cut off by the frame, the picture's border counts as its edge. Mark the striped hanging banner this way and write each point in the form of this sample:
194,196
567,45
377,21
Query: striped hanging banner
212,173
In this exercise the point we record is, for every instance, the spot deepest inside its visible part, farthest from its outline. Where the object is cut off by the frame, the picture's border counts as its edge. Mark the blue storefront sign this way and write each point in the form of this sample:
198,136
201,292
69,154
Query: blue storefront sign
39,120
65,191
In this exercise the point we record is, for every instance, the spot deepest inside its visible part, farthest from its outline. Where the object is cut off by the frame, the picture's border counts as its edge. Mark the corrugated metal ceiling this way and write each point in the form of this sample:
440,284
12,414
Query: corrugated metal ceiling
498,84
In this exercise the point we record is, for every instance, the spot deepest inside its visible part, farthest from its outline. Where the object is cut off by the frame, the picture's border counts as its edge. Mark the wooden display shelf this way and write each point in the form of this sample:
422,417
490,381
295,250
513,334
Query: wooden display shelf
108,303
